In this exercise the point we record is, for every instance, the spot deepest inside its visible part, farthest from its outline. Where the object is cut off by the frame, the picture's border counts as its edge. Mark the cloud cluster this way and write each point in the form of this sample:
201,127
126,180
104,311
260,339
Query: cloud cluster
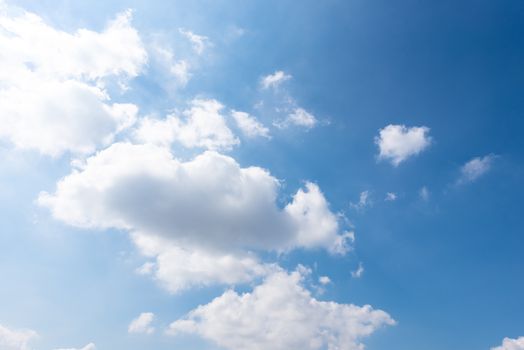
52,95
208,206
281,314
397,142
511,344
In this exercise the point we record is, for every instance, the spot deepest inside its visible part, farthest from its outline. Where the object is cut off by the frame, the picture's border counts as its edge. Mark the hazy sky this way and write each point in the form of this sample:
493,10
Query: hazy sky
253,175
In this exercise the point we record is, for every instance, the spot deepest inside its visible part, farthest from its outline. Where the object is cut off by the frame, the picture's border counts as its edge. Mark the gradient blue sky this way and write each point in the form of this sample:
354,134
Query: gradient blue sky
447,267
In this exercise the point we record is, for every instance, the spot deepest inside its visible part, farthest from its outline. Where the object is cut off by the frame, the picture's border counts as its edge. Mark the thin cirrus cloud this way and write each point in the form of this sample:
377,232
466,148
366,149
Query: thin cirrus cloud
397,143
202,126
217,216
475,168
52,95
511,344
288,315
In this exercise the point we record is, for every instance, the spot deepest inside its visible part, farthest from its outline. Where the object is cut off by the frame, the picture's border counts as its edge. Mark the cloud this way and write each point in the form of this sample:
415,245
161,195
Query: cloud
274,80
363,202
177,269
202,126
297,117
324,280
359,271
178,69
142,324
249,125
89,346
52,95
475,168
390,197
11,339
199,42
424,193
143,189
511,344
398,142
281,314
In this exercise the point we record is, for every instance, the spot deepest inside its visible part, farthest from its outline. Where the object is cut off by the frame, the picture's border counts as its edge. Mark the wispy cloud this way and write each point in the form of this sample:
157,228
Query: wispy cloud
274,80
475,168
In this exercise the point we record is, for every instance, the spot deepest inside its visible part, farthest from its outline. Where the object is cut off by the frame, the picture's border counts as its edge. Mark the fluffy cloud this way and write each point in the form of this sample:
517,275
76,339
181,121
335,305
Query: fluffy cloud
210,208
324,280
89,346
511,344
177,268
281,314
51,82
475,168
202,126
142,324
297,117
274,80
53,117
398,142
11,339
249,125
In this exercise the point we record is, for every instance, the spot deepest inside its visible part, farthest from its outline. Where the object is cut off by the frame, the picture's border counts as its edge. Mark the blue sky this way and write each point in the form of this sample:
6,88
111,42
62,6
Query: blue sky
210,174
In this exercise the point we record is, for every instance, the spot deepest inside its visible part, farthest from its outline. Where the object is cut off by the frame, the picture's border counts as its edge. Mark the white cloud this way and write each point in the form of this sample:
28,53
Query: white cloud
298,117
274,80
511,344
199,42
324,280
178,69
89,346
475,168
359,271
53,117
363,201
210,208
142,324
52,96
249,125
398,142
202,126
424,193
281,314
19,339
390,197
178,269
